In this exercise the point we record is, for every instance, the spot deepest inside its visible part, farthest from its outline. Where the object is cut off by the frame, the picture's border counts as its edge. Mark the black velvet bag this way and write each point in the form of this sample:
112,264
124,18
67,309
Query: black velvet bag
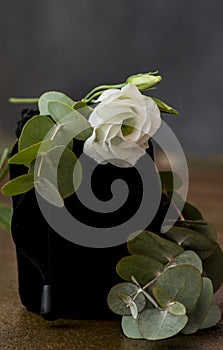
60,279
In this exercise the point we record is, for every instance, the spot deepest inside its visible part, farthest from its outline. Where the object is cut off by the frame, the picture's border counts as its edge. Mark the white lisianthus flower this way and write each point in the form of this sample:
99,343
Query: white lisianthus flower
122,123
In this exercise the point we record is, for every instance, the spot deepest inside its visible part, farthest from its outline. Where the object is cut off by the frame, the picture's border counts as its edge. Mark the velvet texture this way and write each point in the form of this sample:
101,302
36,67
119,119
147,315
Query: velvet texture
80,277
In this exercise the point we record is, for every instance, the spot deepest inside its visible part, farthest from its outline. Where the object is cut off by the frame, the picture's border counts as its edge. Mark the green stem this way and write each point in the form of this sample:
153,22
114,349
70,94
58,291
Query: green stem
23,100
4,171
100,89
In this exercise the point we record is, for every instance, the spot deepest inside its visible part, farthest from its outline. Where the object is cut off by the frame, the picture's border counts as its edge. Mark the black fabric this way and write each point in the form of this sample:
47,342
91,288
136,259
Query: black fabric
80,277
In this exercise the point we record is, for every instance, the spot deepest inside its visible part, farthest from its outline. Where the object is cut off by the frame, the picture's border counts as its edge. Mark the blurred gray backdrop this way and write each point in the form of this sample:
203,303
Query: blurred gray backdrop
72,46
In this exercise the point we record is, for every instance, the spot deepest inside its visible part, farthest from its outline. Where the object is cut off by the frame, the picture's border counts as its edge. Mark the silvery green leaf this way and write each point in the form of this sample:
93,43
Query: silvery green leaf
183,283
117,305
155,324
134,310
124,297
34,131
130,327
212,318
188,258
161,296
190,239
151,245
58,110
53,96
144,268
200,226
53,166
203,305
49,192
177,308
213,267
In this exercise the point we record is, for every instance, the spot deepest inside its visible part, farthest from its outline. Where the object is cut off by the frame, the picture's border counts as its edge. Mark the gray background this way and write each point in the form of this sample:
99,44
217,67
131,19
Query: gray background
73,46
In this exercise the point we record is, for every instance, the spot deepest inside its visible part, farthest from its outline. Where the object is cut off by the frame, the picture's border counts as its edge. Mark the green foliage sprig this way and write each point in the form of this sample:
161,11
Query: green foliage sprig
43,138
5,210
170,278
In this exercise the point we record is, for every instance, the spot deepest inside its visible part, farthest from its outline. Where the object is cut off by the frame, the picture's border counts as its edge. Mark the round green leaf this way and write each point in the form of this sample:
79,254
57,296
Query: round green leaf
61,168
155,247
141,267
183,283
188,258
155,324
35,131
190,212
213,267
49,192
161,296
53,96
200,226
212,318
19,185
176,308
116,303
203,305
58,110
170,181
130,328
75,125
190,239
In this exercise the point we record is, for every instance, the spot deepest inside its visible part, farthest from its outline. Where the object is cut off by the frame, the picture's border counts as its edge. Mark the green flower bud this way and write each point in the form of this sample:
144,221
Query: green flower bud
144,81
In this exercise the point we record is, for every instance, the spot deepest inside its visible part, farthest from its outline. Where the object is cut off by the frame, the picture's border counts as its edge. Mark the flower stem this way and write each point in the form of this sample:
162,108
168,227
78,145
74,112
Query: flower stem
99,90
23,100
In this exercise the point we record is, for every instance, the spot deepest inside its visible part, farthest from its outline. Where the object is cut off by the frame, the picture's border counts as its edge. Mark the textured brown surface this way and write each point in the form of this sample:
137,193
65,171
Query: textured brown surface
22,330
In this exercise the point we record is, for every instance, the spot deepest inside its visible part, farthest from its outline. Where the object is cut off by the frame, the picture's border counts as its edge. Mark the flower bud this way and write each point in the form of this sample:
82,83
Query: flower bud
144,81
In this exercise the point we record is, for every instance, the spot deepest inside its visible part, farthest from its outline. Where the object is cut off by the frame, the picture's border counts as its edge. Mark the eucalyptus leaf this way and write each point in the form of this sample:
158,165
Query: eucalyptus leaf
134,310
176,308
58,110
19,185
161,296
190,239
49,192
75,125
117,305
213,267
212,318
5,217
35,130
183,283
53,96
61,168
200,226
130,328
170,181
188,258
151,245
141,267
190,212
155,324
29,154
203,305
